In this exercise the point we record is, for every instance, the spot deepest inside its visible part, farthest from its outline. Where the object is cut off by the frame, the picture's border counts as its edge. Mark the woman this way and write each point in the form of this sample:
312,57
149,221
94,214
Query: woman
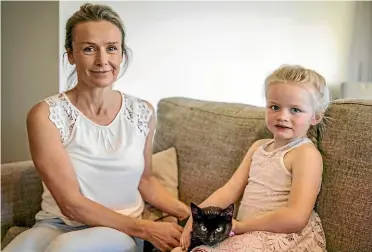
92,147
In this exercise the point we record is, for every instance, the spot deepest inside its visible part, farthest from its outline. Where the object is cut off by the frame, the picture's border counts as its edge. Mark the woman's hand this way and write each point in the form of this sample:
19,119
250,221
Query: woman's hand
184,211
186,235
163,235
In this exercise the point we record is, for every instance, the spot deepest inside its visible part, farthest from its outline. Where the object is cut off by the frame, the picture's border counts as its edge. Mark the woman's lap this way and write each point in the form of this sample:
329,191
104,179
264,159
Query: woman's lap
55,237
94,239
35,239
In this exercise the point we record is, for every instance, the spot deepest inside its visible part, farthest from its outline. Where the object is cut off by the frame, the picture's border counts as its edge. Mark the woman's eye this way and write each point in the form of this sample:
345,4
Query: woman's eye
89,49
112,49
295,110
274,107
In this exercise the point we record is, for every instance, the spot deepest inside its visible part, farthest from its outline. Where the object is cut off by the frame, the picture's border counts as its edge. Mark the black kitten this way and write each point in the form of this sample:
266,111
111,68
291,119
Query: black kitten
211,225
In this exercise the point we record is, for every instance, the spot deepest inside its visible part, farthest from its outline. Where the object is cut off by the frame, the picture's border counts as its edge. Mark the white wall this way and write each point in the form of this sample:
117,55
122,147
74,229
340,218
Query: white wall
29,62
223,51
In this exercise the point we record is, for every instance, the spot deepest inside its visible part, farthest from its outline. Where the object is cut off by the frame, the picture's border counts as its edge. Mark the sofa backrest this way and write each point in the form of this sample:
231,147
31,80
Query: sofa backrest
211,139
345,201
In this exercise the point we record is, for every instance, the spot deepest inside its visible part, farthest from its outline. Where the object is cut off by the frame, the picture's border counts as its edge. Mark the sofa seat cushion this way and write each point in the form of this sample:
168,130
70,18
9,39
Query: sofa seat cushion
11,234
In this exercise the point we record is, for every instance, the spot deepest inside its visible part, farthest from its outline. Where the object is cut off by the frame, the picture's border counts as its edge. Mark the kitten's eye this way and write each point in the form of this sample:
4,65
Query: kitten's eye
219,229
203,228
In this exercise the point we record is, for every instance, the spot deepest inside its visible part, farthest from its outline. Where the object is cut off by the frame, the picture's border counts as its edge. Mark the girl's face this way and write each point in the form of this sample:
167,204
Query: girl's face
289,110
96,53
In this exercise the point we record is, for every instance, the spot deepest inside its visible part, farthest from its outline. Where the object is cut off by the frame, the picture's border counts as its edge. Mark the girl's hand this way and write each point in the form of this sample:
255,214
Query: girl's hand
185,239
236,227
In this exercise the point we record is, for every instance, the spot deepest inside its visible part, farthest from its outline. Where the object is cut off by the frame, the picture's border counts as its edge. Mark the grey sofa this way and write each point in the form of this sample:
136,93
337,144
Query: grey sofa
211,139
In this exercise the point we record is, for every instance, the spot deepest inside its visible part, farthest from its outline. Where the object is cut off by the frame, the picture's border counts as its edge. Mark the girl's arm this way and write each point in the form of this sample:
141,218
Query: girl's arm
151,189
228,193
234,188
307,168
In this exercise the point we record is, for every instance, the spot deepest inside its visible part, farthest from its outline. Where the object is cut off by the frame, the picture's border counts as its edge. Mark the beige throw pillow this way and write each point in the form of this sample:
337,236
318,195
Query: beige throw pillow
165,169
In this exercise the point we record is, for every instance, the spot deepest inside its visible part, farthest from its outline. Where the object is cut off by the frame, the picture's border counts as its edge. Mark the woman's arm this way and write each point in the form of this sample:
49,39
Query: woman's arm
151,189
54,167
307,168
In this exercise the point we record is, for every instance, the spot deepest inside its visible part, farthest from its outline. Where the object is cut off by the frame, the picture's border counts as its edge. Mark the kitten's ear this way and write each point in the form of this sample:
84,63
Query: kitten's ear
228,211
195,210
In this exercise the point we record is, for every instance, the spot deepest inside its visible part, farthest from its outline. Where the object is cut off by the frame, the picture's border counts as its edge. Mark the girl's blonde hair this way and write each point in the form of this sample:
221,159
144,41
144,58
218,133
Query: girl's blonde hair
311,80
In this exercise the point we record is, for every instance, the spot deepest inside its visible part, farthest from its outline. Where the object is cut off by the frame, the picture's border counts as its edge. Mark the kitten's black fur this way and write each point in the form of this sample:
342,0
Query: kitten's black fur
211,225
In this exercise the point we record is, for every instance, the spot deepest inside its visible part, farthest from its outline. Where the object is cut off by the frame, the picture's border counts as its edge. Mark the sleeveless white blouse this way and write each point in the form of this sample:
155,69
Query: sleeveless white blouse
108,160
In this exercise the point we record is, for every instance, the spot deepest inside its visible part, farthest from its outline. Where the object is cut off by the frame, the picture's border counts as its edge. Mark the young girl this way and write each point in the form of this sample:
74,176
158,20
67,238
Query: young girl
280,177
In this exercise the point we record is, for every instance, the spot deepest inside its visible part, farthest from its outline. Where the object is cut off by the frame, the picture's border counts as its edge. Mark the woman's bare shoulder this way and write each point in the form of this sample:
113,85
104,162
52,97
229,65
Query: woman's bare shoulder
38,111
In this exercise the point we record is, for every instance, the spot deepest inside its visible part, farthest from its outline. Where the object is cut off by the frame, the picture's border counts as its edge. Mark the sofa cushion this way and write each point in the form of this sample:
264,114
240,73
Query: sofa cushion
11,234
21,191
164,168
345,200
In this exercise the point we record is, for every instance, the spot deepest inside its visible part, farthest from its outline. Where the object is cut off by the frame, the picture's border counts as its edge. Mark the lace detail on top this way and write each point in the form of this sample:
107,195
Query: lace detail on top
62,115
138,112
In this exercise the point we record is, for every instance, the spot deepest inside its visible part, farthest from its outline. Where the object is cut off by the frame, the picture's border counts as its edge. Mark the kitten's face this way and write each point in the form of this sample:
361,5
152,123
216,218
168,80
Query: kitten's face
211,224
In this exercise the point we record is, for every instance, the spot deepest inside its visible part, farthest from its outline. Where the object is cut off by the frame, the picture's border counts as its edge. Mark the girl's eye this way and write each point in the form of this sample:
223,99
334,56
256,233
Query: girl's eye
274,107
219,229
295,110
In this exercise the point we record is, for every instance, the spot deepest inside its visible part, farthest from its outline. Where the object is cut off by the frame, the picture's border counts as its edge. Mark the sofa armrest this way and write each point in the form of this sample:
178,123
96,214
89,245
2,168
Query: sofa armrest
21,191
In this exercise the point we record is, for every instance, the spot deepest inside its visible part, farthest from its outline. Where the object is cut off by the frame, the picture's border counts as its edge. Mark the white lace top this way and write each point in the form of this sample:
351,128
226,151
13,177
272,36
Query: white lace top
108,160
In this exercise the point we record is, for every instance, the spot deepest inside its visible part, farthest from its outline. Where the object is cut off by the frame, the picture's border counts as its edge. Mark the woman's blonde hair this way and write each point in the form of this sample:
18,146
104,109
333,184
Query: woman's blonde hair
312,81
95,12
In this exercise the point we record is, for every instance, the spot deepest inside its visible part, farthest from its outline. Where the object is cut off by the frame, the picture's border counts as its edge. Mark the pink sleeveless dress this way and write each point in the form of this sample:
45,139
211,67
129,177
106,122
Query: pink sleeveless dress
268,188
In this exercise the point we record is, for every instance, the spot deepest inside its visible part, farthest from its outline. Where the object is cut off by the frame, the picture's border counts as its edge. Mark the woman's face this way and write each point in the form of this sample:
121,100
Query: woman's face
96,53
